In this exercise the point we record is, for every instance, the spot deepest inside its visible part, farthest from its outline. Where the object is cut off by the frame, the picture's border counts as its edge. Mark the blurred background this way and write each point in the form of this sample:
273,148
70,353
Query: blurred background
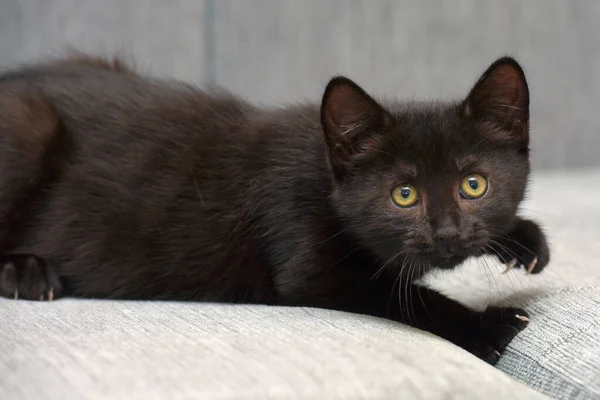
282,51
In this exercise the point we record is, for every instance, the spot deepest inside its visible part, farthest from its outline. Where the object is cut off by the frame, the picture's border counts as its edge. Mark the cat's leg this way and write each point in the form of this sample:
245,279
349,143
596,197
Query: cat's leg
28,277
484,334
29,129
524,245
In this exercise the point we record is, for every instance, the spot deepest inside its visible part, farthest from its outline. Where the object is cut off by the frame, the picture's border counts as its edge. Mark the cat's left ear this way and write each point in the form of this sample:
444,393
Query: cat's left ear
353,122
501,97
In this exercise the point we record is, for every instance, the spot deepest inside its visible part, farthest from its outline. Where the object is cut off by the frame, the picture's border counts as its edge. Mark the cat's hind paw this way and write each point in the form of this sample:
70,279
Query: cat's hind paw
28,277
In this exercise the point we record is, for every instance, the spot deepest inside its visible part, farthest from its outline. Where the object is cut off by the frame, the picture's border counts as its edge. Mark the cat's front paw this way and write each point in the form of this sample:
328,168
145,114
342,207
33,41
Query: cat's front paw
27,277
524,246
497,328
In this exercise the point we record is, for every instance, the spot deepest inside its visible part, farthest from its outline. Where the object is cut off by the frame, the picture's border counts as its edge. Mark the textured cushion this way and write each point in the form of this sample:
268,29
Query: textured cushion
560,353
143,350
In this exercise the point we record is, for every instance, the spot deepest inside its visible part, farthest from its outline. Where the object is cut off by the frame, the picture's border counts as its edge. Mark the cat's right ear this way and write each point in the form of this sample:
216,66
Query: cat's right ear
352,122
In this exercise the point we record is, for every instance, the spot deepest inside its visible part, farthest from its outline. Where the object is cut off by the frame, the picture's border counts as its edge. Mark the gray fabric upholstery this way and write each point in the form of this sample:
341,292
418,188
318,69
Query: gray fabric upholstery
559,354
73,349
100,349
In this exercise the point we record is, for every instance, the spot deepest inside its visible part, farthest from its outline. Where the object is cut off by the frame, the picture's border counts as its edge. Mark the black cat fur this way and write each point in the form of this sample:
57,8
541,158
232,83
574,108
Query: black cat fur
115,185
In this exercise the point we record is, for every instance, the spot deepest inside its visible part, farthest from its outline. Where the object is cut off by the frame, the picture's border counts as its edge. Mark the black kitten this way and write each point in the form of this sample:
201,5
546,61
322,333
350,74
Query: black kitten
113,185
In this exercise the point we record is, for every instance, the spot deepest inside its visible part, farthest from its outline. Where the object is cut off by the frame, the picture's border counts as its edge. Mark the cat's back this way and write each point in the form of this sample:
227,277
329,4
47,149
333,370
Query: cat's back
85,92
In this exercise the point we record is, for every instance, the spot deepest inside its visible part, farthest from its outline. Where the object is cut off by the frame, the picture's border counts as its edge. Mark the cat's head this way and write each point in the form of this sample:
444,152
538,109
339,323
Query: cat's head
430,182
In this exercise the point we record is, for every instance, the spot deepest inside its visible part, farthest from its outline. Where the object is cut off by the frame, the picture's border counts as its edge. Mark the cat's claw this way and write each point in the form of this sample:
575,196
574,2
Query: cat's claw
510,265
49,295
532,265
521,318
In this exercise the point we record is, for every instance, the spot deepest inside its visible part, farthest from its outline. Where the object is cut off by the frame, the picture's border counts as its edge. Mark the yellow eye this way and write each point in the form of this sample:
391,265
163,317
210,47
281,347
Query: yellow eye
405,196
473,186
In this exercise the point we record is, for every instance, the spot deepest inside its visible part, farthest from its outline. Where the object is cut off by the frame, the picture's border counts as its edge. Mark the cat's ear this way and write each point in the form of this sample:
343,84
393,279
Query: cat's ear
352,122
501,97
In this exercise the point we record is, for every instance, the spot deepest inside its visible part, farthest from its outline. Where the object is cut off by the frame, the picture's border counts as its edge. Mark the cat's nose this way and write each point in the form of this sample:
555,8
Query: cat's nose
446,235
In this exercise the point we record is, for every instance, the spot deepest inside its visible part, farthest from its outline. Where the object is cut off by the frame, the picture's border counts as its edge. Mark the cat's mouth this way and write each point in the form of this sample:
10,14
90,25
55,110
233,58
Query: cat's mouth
431,257
447,258
447,262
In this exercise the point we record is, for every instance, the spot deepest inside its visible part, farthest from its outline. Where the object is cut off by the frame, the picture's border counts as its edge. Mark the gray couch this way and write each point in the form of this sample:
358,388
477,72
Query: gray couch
280,51
71,349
